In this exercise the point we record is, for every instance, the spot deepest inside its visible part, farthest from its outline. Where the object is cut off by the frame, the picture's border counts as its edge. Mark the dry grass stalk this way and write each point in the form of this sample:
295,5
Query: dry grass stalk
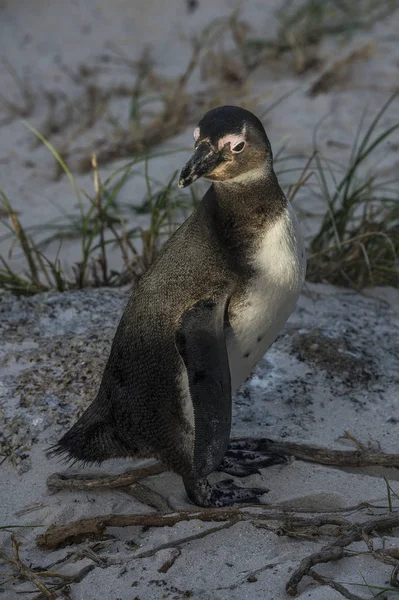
98,224
358,240
98,201
170,121
28,99
349,263
339,70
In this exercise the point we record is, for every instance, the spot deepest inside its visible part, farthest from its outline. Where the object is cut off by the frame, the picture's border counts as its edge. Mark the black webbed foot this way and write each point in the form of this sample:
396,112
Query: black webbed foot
246,457
224,493
242,463
250,444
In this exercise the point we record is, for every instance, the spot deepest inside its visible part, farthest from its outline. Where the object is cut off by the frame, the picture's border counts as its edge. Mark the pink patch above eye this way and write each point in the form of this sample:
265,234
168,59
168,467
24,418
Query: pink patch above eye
232,139
196,133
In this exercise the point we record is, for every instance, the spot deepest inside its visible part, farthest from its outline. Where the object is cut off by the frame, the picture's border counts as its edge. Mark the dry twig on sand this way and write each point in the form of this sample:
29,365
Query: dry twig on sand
58,581
57,481
57,536
325,456
335,550
127,482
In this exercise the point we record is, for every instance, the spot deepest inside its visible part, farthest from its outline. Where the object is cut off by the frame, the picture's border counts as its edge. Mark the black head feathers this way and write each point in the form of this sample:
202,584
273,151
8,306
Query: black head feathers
225,120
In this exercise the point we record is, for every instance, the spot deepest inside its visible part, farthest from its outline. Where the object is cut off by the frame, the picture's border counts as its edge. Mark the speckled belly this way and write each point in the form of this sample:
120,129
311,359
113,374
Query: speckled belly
253,331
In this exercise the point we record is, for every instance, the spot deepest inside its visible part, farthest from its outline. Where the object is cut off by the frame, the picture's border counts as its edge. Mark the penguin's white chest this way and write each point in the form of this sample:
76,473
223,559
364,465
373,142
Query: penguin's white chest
259,310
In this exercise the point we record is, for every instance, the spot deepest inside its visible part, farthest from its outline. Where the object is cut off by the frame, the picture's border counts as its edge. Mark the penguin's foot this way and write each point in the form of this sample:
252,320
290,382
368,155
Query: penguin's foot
245,458
253,444
223,493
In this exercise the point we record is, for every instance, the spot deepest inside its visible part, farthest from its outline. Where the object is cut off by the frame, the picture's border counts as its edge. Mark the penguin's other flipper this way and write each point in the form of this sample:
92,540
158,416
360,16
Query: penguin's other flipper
241,462
202,346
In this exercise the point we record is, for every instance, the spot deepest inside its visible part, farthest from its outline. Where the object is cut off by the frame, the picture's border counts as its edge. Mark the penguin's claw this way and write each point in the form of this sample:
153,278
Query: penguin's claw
242,462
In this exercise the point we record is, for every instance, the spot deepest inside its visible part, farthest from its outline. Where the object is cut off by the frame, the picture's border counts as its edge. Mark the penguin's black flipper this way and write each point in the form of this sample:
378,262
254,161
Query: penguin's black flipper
201,344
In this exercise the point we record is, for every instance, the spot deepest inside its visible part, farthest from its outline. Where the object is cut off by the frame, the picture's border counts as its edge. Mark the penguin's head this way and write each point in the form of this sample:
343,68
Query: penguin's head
231,145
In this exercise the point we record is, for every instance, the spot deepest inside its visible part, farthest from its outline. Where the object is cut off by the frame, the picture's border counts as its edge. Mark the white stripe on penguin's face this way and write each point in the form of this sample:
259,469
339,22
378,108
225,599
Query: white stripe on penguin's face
196,134
233,139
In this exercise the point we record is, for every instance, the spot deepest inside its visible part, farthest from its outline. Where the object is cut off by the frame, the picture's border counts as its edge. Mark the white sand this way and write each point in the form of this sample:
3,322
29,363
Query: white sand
302,392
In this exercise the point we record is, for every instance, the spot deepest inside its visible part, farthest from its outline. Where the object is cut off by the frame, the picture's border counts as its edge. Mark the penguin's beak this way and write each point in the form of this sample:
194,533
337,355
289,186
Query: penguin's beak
204,160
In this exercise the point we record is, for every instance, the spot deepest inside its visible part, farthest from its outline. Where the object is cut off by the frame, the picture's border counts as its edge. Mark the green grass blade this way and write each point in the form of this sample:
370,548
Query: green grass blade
60,161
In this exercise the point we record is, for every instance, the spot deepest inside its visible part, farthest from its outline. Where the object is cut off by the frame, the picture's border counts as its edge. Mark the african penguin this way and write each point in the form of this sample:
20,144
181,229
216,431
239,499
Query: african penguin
200,318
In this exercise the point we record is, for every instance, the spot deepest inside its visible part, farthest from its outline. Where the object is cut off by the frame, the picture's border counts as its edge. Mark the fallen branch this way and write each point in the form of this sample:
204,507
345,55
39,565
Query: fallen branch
58,481
311,528
127,482
57,536
324,456
335,550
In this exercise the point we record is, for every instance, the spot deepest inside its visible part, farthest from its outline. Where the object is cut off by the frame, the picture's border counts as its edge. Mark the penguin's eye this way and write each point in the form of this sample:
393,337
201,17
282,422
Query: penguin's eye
239,147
